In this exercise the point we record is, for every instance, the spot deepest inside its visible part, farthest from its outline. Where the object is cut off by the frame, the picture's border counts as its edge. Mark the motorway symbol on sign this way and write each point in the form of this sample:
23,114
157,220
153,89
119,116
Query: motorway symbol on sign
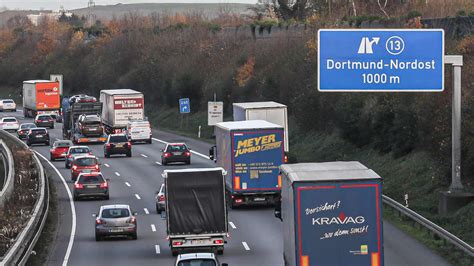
184,106
381,60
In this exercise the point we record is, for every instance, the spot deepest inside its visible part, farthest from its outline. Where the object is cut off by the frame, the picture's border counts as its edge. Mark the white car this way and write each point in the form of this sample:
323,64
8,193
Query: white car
9,124
7,105
198,259
139,130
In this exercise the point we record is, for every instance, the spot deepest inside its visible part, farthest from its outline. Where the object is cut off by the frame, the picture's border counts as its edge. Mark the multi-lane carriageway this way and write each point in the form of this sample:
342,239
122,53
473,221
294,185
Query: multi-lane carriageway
256,237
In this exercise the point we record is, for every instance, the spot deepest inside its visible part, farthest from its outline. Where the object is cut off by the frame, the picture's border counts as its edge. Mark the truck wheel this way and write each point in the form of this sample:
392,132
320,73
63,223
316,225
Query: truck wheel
149,141
134,236
174,252
220,251
25,113
51,157
66,165
97,237
129,154
188,161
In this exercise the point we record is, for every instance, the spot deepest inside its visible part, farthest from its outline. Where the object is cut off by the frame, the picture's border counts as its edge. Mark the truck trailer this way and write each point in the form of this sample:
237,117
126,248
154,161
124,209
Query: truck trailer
251,152
272,112
120,106
196,212
71,129
332,214
40,96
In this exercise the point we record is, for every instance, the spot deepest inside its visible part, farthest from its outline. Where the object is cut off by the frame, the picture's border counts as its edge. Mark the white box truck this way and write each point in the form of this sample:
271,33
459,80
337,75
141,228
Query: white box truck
119,107
272,112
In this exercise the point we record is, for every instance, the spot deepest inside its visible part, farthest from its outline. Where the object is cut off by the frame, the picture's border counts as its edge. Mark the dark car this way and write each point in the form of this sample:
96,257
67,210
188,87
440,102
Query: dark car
176,152
59,149
160,199
90,125
24,129
91,185
117,144
84,164
37,136
76,151
115,220
44,121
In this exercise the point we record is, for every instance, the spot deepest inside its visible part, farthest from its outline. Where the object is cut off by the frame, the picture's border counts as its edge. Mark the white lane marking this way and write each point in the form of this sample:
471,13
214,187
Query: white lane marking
157,249
245,245
137,196
143,155
127,184
153,228
194,152
146,210
117,174
73,211
106,165
232,225
57,139
158,163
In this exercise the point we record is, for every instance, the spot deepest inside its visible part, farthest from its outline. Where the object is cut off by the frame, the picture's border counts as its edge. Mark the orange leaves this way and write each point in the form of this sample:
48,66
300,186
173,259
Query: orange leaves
466,46
7,39
76,39
245,72
45,46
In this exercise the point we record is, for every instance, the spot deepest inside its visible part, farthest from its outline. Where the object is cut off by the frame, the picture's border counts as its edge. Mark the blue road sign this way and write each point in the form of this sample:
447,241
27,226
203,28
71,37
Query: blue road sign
184,106
381,60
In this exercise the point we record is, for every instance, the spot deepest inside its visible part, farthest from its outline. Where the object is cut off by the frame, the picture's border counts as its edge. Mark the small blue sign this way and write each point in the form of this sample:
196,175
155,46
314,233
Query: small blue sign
381,60
184,106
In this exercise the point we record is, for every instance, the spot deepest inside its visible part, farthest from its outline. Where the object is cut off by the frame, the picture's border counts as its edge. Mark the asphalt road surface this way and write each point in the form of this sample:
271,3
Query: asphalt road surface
256,237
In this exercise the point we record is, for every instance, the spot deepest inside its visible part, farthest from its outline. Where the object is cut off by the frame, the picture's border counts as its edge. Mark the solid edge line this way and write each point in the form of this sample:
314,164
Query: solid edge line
73,211
246,246
194,152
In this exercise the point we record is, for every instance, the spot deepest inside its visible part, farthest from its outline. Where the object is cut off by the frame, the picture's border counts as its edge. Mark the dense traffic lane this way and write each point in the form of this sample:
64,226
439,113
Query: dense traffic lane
255,240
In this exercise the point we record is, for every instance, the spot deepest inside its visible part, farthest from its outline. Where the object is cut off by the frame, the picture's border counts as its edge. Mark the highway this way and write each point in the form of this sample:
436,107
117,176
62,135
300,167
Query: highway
256,237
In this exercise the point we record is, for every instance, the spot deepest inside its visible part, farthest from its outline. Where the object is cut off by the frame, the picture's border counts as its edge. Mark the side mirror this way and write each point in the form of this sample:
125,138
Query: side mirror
135,213
277,214
94,215
162,150
107,179
156,192
212,153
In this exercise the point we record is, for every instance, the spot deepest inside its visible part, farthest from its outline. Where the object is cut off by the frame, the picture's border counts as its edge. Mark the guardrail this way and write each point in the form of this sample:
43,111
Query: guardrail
429,225
9,173
19,253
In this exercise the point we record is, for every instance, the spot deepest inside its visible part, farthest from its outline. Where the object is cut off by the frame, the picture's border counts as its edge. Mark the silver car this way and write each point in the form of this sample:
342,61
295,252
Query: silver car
115,220
198,259
160,199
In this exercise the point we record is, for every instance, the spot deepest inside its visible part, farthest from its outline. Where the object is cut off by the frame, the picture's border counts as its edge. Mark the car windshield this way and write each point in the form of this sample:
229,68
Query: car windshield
27,126
38,131
9,120
176,148
197,262
120,138
62,144
91,179
115,213
79,150
85,161
44,117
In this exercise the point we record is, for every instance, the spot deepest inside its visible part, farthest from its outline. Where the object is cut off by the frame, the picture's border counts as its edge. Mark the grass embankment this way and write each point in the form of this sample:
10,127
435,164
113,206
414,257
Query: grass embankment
416,174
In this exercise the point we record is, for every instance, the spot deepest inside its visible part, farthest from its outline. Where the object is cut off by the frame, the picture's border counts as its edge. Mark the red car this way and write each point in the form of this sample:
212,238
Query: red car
84,164
59,149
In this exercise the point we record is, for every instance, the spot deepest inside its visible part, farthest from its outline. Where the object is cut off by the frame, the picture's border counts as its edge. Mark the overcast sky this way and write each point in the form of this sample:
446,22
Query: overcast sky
73,4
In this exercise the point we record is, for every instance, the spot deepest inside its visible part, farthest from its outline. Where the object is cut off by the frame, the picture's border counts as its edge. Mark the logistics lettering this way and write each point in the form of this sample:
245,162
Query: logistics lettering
262,143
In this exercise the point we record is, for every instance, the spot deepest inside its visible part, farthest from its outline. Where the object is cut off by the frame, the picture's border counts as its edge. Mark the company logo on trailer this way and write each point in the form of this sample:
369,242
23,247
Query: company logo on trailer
262,143
341,219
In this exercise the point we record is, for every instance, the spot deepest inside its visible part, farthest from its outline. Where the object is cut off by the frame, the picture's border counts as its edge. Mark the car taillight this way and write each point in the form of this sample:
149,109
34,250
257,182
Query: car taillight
132,220
69,156
37,121
286,159
129,144
97,167
51,120
107,145
90,153
99,221
218,241
162,198
178,243
104,185
78,186
74,167
187,153
166,154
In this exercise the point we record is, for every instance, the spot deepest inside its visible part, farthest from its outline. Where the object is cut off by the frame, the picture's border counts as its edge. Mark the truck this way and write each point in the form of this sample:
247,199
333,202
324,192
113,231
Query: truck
332,214
40,96
251,152
120,106
272,112
196,211
71,129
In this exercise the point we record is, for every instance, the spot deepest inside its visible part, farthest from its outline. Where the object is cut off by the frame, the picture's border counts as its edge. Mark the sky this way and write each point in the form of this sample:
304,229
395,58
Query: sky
73,4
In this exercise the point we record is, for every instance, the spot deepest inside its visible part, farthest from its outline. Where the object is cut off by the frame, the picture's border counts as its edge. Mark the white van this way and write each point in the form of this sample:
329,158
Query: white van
139,130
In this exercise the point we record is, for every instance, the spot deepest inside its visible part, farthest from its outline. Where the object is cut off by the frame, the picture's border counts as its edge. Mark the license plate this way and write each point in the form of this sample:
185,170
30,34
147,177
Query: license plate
91,186
119,145
93,129
198,241
259,199
115,230
39,136
86,171
176,153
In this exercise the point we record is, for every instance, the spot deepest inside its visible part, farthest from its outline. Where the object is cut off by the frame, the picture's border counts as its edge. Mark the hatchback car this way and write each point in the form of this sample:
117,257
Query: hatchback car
37,135
23,130
90,125
198,259
84,164
44,121
59,149
7,105
117,144
91,185
76,151
115,220
160,199
176,152
9,124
